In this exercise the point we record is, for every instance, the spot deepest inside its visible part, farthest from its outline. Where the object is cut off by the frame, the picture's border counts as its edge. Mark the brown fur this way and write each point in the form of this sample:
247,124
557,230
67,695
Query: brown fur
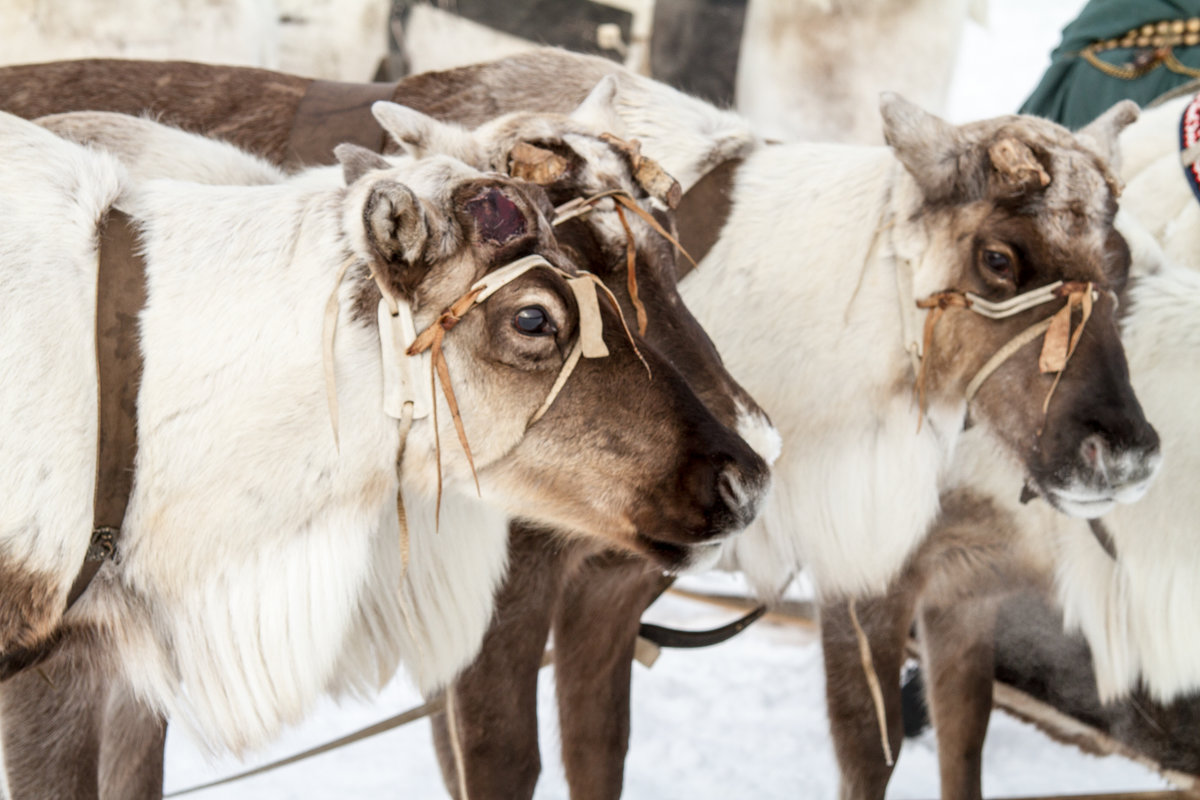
254,108
30,608
592,601
70,712
952,584
251,107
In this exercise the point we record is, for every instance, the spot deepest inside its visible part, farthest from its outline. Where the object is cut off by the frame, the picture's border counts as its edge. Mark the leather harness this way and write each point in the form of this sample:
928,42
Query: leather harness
329,114
120,297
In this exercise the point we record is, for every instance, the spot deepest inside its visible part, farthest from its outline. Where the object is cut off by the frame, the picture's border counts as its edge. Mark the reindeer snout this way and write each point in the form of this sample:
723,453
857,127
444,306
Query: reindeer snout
739,481
740,495
1122,465
1114,466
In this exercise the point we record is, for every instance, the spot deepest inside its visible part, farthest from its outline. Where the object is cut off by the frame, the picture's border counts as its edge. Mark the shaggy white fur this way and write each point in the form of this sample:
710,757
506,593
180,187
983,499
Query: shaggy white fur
1138,612
1156,192
856,484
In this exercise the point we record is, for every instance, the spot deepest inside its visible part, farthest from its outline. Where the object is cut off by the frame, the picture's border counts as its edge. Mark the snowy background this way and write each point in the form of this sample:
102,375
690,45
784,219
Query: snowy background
742,720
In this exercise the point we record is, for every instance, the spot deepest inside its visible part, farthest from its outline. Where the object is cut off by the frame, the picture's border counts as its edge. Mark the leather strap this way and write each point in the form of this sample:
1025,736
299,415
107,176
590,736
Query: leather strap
673,637
1103,537
120,297
703,211
333,113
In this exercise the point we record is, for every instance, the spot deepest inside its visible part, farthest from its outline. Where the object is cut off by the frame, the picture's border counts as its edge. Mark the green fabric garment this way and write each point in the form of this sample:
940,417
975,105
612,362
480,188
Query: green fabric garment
1073,92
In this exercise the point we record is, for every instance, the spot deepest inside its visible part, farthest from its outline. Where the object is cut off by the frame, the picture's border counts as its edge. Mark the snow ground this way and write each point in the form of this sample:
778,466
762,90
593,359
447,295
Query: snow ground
745,719
742,720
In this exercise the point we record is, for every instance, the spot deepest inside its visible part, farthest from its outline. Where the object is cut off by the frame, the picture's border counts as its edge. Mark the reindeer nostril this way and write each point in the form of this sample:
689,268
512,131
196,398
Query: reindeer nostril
729,485
1092,450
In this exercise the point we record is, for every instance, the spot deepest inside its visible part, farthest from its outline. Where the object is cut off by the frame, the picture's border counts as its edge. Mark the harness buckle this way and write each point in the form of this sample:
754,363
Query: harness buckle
103,545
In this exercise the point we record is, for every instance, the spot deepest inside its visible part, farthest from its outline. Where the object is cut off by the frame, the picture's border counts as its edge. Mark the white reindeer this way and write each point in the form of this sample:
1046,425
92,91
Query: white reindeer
259,563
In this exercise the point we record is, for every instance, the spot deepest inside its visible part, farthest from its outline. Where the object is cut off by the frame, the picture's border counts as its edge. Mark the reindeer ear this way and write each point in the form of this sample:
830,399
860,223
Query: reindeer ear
421,135
1102,133
930,148
599,108
358,161
396,230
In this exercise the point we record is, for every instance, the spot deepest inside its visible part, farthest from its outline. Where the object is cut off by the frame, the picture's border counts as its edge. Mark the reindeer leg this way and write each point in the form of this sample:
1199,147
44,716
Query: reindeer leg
131,754
595,633
53,717
959,667
496,697
852,715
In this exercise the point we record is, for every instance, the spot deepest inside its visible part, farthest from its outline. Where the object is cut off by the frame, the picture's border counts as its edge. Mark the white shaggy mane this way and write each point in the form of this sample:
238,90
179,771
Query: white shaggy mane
1139,613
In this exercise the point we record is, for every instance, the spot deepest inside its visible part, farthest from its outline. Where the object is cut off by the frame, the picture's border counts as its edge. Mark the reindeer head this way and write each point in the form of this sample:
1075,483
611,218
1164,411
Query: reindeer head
1009,206
640,462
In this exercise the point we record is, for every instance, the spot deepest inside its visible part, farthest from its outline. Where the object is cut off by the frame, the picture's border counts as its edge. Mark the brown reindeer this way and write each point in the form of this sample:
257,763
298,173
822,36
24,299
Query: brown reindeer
1126,579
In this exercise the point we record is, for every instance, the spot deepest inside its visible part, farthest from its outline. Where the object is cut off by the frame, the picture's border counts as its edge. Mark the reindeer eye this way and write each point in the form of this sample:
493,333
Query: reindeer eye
999,263
534,321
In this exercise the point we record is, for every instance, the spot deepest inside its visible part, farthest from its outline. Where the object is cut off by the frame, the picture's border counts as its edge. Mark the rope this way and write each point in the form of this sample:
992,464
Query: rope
868,665
413,714
460,761
1058,347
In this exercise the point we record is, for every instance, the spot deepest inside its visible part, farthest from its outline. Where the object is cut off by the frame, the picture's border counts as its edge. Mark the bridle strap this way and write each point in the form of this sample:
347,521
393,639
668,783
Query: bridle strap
1004,354
567,368
1053,358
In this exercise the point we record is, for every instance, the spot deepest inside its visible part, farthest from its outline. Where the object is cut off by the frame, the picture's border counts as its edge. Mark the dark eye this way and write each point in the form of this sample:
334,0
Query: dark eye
999,263
534,321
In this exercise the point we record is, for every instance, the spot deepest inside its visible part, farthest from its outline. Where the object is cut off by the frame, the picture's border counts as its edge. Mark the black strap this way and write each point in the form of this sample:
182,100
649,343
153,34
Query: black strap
672,637
1103,537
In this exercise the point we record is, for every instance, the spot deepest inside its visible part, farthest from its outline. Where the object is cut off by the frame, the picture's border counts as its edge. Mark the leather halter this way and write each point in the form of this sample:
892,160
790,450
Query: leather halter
120,297
332,113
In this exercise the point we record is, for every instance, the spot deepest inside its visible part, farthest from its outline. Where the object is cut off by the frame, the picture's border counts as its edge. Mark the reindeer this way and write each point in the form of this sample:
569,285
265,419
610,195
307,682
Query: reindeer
445,227
590,165
1123,581
1007,204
